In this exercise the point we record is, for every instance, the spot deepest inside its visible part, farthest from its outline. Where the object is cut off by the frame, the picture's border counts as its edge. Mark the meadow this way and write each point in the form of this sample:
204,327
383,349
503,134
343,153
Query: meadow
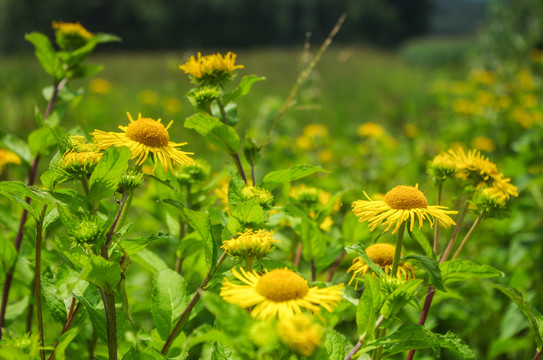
363,122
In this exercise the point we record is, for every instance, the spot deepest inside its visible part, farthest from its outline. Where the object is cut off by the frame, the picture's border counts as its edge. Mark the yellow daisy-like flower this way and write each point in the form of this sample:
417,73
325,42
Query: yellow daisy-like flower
371,129
250,243
399,205
300,334
80,161
143,136
280,293
71,36
8,157
211,69
382,255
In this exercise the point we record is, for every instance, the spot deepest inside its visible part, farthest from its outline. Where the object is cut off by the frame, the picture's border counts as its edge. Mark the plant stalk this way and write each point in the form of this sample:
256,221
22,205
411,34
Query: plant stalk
237,161
398,250
179,325
436,232
361,339
72,313
334,266
37,279
477,222
108,297
455,233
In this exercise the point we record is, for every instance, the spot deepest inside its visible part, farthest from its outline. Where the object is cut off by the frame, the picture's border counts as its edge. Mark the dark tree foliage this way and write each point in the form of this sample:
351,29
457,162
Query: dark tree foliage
211,23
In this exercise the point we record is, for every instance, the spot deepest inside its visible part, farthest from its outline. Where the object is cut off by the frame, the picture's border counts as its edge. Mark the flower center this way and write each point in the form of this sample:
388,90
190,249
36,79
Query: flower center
404,197
282,285
381,254
148,132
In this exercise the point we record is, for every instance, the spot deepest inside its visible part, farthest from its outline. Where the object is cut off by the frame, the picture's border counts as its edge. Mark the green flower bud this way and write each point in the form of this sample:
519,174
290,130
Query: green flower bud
194,173
71,36
130,180
86,231
265,198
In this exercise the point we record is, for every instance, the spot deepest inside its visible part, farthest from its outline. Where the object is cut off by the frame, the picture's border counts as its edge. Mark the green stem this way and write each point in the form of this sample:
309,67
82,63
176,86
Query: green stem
179,325
37,279
253,172
72,313
108,297
398,251
362,337
182,231
477,221
223,112
84,183
125,208
237,161
249,262
455,233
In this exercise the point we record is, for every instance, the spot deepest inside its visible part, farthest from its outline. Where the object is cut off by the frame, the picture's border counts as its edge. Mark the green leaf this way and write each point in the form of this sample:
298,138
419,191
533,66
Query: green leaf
423,241
313,242
368,308
275,178
132,246
216,132
534,317
459,270
334,345
107,173
402,295
169,300
64,341
84,70
54,302
8,253
407,337
46,54
360,250
200,222
243,88
90,297
17,146
430,266
231,319
102,273
149,260
453,342
249,212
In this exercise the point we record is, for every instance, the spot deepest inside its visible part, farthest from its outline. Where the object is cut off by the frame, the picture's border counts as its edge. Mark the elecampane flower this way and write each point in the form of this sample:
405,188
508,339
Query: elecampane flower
211,69
143,136
300,333
399,205
280,293
71,36
382,255
250,243
8,157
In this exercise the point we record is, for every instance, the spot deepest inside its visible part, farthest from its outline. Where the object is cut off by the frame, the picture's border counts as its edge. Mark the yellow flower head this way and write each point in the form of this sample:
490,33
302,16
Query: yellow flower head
300,334
372,130
399,205
76,162
315,130
482,76
211,69
441,167
255,244
483,143
143,136
8,157
383,256
71,36
99,86
279,293
265,198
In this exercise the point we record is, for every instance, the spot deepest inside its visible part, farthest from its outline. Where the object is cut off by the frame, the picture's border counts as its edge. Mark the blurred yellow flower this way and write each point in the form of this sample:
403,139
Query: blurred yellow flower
536,55
279,293
304,143
410,130
484,98
8,157
300,333
371,129
504,102
464,106
143,136
172,105
148,97
525,79
460,88
529,100
99,86
71,36
483,143
315,130
482,76
326,156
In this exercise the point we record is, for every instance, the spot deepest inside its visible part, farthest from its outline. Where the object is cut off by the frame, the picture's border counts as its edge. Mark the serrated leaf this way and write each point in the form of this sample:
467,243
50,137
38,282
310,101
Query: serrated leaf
243,88
458,270
407,337
17,146
360,250
453,342
430,266
107,173
169,300
334,345
368,308
40,141
149,260
90,297
54,302
402,295
534,317
423,241
132,246
275,178
64,341
215,131
46,54
102,273
200,222
249,211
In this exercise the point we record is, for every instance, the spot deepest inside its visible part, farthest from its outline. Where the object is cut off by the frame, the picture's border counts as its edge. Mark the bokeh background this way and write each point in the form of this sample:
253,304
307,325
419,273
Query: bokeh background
402,81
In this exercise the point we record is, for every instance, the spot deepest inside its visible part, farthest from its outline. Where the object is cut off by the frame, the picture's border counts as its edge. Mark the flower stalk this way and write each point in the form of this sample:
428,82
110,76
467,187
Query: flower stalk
398,250
37,279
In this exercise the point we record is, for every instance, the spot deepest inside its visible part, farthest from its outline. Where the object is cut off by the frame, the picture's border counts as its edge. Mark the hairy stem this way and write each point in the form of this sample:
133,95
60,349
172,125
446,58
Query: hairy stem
477,222
72,313
455,233
361,339
182,232
398,251
298,256
179,325
436,232
37,279
108,297
538,354
239,167
335,265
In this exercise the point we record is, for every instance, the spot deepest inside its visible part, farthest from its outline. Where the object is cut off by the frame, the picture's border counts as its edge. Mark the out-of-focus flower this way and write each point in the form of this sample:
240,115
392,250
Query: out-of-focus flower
100,86
71,36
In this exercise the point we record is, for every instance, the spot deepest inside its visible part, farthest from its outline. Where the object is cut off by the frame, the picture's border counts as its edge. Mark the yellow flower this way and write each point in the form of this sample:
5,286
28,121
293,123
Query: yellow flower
410,130
526,79
304,143
371,129
211,69
279,293
73,161
8,157
249,243
171,105
383,256
71,36
148,97
482,76
441,167
100,86
315,130
143,136
483,143
326,156
399,205
300,334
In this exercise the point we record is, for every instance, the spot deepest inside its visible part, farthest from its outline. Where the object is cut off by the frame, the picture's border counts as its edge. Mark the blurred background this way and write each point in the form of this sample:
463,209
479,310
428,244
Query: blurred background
402,81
